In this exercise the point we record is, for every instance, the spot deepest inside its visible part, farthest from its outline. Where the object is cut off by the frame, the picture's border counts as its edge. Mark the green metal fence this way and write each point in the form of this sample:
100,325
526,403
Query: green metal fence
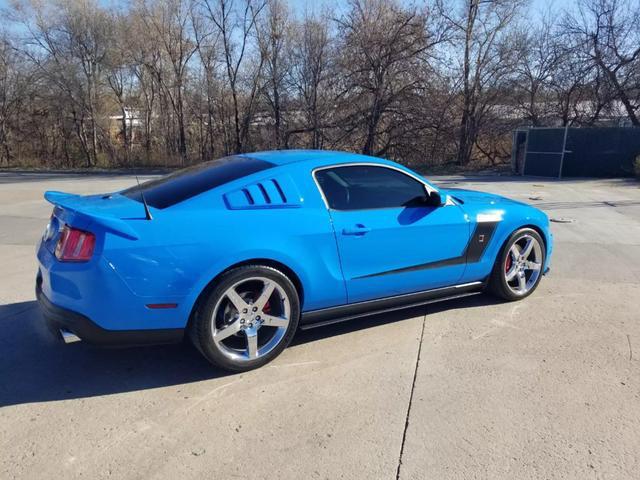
575,152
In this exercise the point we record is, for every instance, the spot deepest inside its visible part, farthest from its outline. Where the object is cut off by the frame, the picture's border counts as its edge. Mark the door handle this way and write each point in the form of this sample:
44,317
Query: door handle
358,229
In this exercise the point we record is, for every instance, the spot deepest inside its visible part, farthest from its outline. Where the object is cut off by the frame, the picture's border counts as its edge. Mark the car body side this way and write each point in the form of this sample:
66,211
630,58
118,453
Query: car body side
187,246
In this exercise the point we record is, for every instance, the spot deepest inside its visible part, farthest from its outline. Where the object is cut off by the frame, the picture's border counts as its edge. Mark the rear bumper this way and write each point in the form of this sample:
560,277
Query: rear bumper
63,320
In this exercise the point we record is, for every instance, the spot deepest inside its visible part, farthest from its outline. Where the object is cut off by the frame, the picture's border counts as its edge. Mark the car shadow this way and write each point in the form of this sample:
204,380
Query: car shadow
35,367
411,215
375,320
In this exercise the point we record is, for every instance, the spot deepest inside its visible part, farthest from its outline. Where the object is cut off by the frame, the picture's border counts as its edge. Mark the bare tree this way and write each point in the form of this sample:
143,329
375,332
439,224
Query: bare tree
146,66
209,57
381,50
121,78
274,33
236,25
14,85
609,33
423,83
540,53
309,74
486,59
170,26
68,42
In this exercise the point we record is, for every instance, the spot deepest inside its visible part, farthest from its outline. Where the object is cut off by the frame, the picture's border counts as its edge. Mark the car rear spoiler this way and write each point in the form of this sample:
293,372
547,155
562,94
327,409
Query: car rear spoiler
69,201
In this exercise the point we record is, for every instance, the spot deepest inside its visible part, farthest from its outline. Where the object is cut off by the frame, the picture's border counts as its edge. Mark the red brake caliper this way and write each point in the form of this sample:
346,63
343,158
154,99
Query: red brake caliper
267,308
507,264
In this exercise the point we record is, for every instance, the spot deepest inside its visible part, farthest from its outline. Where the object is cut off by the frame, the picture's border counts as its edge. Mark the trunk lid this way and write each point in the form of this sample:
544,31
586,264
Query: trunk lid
112,212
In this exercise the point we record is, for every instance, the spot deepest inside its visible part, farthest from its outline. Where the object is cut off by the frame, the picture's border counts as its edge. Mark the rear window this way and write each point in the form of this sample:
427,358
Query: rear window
191,181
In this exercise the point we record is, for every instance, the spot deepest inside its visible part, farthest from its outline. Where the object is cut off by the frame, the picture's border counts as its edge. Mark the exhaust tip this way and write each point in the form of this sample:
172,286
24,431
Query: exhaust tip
69,337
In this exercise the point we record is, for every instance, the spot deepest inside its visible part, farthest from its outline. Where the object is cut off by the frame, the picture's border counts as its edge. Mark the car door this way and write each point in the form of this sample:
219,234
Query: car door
389,239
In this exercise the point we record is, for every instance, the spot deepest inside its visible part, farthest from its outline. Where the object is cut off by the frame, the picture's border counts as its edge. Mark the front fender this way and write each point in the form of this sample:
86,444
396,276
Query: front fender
508,219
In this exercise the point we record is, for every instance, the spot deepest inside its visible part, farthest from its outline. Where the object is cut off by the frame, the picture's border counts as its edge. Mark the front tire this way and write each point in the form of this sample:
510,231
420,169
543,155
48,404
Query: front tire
518,268
247,318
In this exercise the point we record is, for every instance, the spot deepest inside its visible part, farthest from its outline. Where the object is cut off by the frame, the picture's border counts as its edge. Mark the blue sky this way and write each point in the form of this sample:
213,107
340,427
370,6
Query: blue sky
537,7
300,5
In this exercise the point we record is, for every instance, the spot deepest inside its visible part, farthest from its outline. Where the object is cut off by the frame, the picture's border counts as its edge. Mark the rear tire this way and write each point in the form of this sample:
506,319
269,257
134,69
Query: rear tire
518,267
247,318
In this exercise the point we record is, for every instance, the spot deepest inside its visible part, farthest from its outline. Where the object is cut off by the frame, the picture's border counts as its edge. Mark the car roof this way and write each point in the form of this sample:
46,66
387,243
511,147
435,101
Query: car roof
314,157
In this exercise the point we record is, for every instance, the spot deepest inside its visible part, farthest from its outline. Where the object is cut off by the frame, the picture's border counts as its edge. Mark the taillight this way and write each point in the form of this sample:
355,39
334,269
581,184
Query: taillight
75,245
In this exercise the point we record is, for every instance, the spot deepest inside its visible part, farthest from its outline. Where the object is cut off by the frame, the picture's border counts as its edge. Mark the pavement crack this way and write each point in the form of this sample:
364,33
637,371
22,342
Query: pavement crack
413,386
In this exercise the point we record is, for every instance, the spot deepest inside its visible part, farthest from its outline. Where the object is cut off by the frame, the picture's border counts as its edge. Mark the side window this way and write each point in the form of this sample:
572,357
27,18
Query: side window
194,180
362,187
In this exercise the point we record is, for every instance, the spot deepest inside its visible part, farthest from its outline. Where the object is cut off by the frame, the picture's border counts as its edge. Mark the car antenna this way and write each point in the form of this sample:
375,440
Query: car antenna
147,212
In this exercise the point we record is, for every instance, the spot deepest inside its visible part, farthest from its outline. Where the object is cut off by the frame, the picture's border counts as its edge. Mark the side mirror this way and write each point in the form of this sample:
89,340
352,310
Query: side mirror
433,198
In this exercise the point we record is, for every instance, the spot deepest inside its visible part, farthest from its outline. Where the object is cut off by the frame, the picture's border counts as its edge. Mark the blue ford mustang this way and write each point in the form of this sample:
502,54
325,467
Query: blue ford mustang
240,252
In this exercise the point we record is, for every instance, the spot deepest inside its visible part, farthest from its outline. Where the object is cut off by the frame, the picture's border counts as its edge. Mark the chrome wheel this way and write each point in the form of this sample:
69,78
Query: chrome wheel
523,264
250,318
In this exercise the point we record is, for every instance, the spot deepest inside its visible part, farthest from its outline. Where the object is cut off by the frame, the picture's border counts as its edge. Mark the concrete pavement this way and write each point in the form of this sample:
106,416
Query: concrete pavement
544,388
